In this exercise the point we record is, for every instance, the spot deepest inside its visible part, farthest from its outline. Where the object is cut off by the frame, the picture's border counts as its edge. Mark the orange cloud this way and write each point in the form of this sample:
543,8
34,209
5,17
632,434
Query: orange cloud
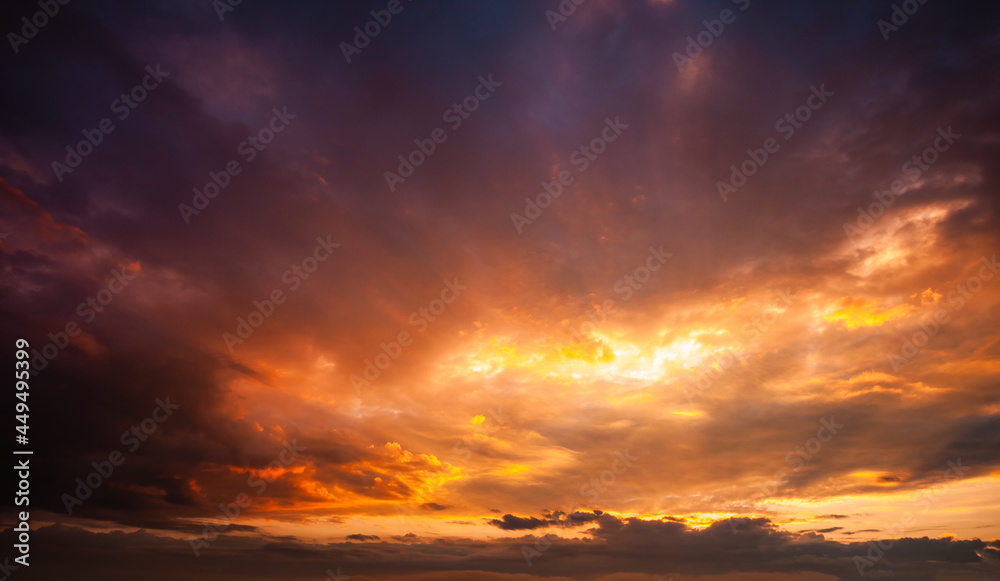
859,312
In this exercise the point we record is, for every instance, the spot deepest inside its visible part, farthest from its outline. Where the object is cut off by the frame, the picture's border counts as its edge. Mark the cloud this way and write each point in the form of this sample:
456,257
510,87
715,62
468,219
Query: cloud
510,522
434,506
705,374
622,545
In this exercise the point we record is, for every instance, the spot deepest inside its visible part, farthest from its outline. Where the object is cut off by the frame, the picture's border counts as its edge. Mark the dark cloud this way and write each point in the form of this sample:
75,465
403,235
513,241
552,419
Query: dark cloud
622,545
510,522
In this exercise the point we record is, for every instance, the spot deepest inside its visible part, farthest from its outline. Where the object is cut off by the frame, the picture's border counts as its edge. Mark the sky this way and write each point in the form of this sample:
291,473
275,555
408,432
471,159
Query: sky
617,290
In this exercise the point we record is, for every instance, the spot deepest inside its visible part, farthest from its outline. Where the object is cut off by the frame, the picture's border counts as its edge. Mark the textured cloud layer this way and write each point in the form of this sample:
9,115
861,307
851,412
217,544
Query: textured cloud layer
730,312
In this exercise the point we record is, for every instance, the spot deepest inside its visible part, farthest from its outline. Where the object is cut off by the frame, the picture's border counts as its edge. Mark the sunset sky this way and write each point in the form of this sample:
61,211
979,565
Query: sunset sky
628,290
